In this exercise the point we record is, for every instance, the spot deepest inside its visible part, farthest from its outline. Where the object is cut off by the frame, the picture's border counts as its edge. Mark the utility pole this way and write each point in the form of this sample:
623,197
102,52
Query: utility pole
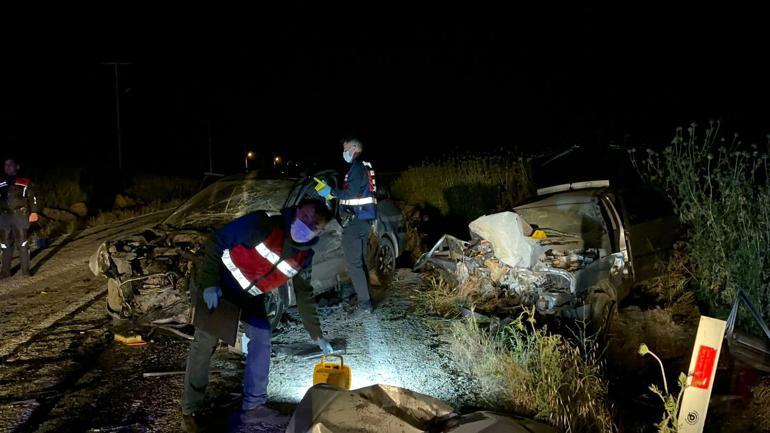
117,109
211,159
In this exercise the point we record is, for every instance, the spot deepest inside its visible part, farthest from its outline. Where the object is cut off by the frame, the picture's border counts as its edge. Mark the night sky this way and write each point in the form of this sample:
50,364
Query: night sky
405,80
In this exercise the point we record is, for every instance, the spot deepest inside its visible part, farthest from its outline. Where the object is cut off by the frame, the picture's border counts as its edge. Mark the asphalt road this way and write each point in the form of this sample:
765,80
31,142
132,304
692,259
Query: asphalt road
52,322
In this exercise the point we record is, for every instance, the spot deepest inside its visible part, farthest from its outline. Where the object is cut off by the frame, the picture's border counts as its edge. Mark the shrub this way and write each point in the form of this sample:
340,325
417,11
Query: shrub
525,370
721,192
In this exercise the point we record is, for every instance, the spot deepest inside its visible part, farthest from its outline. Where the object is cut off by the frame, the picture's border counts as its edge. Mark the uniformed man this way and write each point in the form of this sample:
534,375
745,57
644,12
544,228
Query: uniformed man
247,258
358,203
18,208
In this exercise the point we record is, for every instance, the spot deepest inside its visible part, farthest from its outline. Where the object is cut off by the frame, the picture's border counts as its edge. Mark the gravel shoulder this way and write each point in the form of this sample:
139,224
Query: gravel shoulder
61,371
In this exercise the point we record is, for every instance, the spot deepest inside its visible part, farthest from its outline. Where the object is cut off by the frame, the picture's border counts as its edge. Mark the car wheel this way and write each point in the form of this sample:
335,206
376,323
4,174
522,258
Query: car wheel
602,302
385,261
276,303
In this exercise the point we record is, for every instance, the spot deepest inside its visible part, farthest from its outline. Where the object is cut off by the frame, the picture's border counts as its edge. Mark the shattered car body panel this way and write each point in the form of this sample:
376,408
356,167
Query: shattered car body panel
585,267
148,274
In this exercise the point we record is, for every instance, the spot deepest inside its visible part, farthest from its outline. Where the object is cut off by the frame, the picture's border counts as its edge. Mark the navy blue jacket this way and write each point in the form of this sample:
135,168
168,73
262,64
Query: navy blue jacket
357,187
250,230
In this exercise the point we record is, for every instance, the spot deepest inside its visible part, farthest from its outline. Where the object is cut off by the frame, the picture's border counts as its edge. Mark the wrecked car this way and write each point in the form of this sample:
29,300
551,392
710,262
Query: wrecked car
147,274
575,250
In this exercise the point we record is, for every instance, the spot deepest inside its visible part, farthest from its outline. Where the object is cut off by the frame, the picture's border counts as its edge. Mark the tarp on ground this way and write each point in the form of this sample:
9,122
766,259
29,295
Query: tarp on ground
376,408
385,408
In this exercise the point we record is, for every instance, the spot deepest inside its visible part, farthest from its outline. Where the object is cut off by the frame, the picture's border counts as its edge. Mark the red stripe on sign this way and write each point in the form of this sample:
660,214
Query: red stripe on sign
704,366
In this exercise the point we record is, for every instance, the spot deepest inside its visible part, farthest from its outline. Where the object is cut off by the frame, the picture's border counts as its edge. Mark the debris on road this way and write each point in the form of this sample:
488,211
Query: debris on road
135,340
173,373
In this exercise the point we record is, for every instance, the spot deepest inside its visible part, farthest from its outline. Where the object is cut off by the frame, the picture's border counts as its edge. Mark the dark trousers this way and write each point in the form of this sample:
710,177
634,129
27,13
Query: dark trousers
13,232
255,373
355,239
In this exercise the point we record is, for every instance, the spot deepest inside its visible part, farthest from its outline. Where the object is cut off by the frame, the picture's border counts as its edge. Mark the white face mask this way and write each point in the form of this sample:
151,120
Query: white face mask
301,233
347,156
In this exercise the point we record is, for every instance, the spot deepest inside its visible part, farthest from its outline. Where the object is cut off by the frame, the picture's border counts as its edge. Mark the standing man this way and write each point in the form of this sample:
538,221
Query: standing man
245,259
358,203
18,208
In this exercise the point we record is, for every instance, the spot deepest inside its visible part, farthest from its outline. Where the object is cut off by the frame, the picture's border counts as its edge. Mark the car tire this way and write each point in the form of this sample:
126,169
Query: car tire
602,302
276,303
384,265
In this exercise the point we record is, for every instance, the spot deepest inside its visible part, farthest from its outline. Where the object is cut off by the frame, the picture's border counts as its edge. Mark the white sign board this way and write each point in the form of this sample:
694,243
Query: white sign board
700,378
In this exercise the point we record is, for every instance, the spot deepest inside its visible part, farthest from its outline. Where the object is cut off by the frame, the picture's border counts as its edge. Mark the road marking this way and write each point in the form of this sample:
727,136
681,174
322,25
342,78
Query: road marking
10,345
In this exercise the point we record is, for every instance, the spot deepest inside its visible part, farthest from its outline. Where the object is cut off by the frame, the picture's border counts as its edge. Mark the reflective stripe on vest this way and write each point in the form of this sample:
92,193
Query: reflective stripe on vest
359,201
372,179
238,275
262,268
275,259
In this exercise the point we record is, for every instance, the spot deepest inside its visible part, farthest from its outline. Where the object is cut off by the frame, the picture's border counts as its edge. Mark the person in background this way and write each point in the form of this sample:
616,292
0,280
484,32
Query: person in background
18,208
358,204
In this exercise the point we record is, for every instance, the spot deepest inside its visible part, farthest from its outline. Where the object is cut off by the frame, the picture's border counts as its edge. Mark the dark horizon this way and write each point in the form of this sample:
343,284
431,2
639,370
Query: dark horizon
410,84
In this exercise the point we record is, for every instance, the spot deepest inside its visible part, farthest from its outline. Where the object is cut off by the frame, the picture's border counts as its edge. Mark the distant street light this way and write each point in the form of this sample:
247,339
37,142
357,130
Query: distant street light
250,156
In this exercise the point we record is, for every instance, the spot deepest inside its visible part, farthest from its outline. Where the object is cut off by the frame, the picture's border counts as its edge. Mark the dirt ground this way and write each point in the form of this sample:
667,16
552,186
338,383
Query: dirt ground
61,370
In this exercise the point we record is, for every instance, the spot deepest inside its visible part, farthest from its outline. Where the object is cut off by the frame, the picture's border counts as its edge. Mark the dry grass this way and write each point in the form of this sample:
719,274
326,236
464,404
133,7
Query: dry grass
525,370
760,405
672,289
668,327
464,185
437,297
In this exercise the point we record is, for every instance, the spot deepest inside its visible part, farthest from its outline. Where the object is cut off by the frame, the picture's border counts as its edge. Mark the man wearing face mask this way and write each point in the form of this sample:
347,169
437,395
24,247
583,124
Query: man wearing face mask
358,203
245,259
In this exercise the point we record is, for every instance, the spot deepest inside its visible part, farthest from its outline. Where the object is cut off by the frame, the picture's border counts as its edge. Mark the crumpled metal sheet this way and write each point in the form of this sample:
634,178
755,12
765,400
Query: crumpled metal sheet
386,408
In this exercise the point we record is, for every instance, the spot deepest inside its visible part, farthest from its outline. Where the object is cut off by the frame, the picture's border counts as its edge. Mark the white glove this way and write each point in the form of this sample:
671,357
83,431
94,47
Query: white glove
324,345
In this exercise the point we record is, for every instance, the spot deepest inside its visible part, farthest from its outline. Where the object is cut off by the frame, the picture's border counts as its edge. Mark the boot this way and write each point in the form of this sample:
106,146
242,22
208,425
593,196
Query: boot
24,258
7,255
264,415
192,424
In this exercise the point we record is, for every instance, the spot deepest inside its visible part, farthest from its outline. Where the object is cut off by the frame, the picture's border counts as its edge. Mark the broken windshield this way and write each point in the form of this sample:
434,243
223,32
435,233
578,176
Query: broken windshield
225,200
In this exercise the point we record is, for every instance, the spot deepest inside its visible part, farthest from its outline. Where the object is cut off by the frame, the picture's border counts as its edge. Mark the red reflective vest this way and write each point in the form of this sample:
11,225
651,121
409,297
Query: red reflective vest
261,269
